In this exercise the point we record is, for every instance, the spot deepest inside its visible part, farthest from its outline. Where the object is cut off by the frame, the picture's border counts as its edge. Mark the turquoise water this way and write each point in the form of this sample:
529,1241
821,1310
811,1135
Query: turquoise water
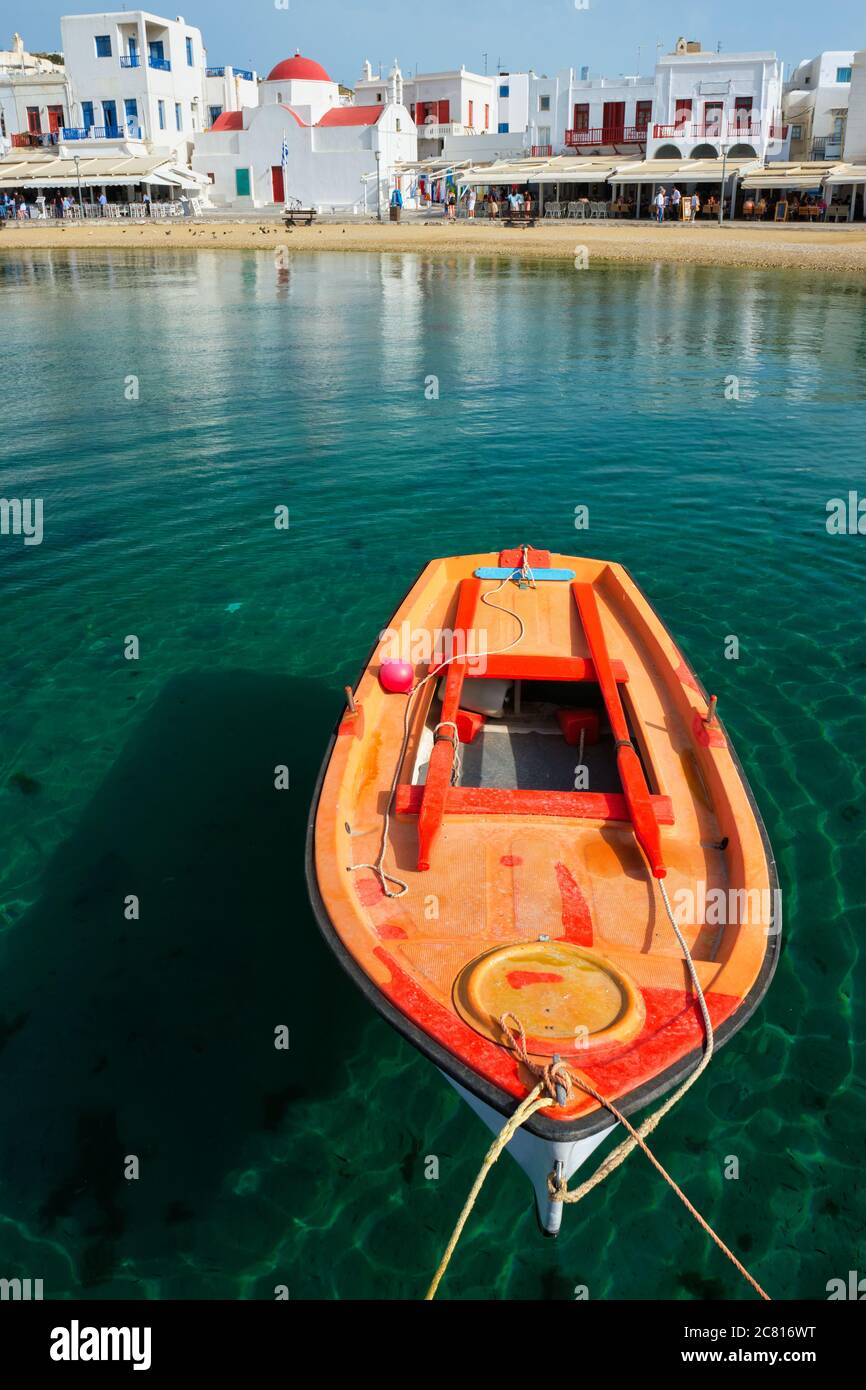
154,1038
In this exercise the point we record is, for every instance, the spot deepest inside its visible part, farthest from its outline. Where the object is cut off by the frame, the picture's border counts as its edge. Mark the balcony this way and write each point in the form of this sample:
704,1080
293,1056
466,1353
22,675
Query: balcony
439,132
607,135
745,129
243,73
161,64
131,60
779,132
827,147
33,140
100,132
541,151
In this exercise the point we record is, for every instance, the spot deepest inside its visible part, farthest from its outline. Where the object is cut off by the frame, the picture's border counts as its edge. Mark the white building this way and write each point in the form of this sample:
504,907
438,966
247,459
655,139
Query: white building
228,89
441,104
706,103
855,131
512,98
34,97
338,157
598,115
119,117
816,105
136,75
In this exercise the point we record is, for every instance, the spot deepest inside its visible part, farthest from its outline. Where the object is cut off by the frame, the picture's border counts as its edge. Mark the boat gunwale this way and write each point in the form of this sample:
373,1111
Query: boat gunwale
538,1124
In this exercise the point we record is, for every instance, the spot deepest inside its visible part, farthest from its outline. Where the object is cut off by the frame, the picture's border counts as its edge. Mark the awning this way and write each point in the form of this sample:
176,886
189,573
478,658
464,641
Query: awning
671,171
47,171
554,169
846,173
594,169
789,176
504,171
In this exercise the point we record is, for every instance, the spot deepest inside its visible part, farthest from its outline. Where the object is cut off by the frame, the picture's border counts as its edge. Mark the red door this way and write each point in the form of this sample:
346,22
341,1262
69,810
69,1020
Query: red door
581,116
278,183
683,114
613,120
642,112
713,118
445,113
55,118
34,120
743,114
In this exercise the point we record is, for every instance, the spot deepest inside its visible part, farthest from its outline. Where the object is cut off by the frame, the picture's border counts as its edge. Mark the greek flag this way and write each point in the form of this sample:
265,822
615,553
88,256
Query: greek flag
284,156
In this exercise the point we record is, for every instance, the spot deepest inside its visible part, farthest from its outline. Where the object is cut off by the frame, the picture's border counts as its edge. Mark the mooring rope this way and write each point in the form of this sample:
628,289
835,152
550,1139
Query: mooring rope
534,1101
558,1074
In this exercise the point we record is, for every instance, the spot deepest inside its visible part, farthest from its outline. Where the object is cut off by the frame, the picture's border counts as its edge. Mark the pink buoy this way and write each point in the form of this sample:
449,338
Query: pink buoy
395,676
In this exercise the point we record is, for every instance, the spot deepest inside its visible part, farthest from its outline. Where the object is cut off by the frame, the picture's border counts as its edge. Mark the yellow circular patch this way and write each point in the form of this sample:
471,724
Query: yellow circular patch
567,997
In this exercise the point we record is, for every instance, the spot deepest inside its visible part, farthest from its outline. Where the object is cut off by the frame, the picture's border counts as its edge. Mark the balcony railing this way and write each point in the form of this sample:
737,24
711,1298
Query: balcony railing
244,73
541,151
33,140
778,132
439,132
162,64
100,132
709,130
214,72
131,60
607,135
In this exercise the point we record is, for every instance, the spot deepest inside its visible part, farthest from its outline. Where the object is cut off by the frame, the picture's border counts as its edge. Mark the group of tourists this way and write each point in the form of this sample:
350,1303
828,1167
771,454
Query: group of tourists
61,206
516,203
669,206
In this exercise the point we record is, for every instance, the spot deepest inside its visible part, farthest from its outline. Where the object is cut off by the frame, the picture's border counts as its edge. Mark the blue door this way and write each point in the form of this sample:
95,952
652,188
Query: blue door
87,114
131,109
109,116
133,50
157,51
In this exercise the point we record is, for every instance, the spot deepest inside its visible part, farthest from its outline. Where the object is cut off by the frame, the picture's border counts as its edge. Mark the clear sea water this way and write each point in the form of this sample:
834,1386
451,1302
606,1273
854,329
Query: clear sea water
154,1038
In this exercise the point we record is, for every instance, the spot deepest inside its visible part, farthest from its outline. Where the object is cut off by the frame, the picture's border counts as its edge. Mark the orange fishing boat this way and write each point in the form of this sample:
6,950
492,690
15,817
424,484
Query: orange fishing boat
533,848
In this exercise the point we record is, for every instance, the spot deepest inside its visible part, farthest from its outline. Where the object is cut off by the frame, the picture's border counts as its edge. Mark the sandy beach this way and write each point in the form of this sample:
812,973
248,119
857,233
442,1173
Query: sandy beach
828,248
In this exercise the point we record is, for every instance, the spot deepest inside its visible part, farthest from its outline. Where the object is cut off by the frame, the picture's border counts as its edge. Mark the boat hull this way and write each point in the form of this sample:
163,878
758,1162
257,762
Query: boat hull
516,867
539,1158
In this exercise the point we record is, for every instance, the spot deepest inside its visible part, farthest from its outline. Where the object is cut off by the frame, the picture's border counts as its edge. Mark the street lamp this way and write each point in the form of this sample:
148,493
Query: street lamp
77,159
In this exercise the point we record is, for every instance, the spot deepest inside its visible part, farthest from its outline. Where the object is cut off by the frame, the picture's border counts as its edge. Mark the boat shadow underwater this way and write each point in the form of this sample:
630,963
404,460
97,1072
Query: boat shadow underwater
155,1037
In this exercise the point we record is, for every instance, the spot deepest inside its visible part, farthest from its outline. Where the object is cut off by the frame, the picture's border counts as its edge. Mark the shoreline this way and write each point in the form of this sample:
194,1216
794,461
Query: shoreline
833,248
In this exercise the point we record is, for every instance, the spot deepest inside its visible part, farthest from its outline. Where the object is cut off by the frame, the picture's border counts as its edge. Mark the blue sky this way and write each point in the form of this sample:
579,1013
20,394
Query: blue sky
435,34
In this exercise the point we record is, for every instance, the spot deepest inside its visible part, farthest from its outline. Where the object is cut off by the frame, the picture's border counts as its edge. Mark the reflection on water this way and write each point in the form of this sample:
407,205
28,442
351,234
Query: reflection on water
611,388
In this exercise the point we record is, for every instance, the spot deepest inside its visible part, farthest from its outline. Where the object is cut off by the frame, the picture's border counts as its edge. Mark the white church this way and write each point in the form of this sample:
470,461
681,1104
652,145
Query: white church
303,142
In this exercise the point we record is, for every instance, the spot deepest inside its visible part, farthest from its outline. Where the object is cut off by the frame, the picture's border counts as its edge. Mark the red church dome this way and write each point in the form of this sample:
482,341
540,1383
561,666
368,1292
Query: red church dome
298,69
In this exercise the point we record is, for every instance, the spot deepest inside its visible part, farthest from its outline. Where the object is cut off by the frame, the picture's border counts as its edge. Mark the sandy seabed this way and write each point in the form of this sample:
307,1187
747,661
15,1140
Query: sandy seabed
825,247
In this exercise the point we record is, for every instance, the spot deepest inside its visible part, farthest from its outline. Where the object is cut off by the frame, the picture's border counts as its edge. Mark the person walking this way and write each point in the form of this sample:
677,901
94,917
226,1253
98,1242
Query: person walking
470,203
659,201
452,206
103,204
696,207
676,199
